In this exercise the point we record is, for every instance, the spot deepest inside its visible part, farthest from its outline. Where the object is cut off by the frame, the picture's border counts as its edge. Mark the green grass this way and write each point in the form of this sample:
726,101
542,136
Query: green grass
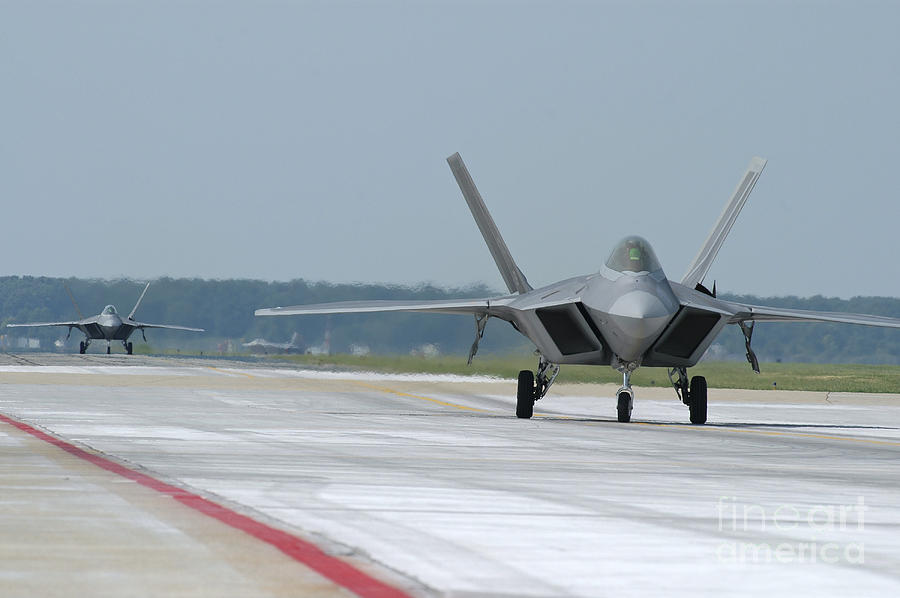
782,376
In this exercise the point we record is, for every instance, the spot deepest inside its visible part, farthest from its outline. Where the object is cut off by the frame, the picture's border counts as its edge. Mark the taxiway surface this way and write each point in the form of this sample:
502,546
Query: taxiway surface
430,484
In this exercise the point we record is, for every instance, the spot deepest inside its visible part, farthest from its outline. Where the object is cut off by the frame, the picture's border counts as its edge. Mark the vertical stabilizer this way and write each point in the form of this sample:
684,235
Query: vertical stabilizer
136,305
701,264
512,276
72,297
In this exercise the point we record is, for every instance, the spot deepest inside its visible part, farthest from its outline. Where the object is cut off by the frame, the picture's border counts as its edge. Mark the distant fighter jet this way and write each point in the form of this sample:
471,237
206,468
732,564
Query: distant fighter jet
261,345
626,315
108,326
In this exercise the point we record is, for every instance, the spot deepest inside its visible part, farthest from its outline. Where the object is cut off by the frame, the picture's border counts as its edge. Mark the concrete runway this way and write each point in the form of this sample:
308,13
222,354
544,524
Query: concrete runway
430,485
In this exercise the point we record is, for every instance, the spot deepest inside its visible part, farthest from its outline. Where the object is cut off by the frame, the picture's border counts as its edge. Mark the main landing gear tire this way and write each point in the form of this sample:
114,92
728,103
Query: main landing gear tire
82,347
525,395
623,407
697,396
108,350
129,348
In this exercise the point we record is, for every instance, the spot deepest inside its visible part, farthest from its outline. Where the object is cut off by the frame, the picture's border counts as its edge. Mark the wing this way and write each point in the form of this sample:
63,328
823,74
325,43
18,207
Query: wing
141,325
491,306
701,264
761,313
36,324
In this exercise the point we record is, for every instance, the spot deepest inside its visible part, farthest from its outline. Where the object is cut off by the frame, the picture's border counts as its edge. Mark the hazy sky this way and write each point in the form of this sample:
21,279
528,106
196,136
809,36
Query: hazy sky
281,140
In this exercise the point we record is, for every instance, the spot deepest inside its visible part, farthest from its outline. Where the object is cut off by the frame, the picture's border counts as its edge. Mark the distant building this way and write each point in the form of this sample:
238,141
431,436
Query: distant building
426,350
23,342
359,350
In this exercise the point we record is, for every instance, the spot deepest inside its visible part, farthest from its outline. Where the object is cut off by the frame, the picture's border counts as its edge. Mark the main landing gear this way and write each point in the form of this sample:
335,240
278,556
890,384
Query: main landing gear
83,347
533,387
692,394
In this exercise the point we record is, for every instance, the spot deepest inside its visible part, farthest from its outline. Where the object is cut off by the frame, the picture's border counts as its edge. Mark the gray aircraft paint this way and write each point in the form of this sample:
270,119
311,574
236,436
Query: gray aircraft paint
615,317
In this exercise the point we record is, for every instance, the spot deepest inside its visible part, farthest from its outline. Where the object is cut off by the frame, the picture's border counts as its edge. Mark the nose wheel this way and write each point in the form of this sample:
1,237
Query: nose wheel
625,399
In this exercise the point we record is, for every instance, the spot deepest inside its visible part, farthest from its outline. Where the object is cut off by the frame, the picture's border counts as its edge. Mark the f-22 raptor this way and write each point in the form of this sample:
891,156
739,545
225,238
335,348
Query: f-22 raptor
626,315
108,325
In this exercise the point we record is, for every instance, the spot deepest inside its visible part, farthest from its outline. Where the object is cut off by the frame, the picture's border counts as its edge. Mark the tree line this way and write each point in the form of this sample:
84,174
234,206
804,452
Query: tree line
225,309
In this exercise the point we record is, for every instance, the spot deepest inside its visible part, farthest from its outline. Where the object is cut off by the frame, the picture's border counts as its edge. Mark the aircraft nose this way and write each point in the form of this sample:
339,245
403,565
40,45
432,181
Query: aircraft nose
640,314
639,304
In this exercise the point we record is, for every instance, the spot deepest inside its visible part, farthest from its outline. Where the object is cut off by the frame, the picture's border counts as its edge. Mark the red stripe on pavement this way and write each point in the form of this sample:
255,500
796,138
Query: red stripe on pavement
333,568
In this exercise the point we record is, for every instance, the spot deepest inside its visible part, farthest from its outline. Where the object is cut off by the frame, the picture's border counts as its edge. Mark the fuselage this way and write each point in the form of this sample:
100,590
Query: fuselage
107,326
630,309
626,315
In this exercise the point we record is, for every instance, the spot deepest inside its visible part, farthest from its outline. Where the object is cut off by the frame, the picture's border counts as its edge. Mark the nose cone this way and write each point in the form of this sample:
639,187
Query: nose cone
638,310
639,314
640,304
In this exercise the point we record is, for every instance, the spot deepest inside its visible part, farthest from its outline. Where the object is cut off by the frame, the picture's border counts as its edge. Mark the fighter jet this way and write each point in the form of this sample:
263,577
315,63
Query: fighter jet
261,345
108,325
626,315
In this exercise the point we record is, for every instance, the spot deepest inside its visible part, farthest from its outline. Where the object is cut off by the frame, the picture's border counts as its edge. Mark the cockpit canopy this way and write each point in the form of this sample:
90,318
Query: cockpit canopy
109,310
633,254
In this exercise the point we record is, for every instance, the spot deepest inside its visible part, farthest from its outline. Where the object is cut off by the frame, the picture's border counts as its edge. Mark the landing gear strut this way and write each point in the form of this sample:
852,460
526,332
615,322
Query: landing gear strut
678,378
692,394
546,376
108,350
533,387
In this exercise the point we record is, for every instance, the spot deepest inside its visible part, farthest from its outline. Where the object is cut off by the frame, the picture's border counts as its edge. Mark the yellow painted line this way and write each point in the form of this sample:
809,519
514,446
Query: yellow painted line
447,404
231,372
773,433
420,397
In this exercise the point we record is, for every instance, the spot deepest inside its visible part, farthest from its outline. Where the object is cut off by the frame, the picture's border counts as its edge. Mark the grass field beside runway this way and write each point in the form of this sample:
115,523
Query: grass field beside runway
781,376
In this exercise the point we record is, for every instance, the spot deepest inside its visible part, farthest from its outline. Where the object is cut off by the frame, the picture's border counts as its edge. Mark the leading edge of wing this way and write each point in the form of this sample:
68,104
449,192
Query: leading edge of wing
446,306
72,324
762,313
161,326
